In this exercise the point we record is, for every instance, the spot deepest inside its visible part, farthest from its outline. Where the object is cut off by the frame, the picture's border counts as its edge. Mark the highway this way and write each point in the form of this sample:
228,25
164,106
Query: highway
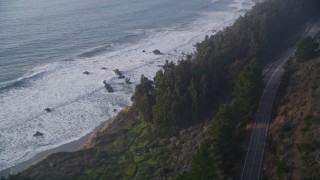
255,152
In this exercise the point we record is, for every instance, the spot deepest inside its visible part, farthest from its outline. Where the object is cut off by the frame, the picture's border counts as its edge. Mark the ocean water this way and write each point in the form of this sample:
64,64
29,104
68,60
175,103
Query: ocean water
45,46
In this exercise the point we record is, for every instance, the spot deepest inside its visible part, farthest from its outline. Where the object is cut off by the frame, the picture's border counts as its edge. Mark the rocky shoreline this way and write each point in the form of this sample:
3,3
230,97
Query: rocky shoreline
76,145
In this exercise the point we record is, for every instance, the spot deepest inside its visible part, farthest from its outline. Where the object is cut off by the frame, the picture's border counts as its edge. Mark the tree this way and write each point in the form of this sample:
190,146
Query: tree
144,98
206,164
307,49
247,89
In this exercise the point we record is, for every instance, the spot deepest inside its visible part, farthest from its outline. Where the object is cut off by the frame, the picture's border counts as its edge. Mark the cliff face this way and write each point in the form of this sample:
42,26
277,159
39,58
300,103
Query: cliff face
293,149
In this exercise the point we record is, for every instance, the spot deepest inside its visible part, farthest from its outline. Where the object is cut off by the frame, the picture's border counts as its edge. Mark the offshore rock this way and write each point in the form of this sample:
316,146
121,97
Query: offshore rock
48,109
157,52
38,133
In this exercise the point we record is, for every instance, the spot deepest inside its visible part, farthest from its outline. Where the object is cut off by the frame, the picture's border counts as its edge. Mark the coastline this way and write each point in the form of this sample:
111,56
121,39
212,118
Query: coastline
68,147
83,142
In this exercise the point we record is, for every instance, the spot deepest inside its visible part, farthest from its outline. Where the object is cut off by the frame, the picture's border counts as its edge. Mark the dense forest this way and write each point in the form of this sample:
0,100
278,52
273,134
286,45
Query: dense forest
220,84
216,157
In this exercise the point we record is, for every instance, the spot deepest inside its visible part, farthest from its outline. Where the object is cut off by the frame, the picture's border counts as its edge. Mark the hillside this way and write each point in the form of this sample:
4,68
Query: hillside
123,149
293,142
190,121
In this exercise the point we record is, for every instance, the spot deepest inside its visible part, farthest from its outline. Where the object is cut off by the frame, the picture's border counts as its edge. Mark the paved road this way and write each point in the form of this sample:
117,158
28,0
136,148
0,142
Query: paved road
255,152
253,161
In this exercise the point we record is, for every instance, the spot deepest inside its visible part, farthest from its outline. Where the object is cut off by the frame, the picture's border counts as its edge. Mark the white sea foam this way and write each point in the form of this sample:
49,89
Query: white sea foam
214,1
80,102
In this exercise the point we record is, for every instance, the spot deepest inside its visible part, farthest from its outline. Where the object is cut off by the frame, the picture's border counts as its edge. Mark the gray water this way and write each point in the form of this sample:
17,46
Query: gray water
40,31
45,46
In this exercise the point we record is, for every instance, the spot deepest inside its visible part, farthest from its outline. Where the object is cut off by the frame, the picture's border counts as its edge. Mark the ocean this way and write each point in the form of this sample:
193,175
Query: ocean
45,46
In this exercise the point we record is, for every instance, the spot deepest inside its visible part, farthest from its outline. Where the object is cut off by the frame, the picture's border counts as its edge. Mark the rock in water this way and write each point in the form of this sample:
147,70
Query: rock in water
86,72
48,109
108,87
157,51
121,77
117,72
128,81
38,134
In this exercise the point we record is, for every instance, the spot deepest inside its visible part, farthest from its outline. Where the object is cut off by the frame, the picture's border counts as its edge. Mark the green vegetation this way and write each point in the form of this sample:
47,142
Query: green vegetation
217,156
287,127
248,86
289,69
316,82
307,49
281,169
